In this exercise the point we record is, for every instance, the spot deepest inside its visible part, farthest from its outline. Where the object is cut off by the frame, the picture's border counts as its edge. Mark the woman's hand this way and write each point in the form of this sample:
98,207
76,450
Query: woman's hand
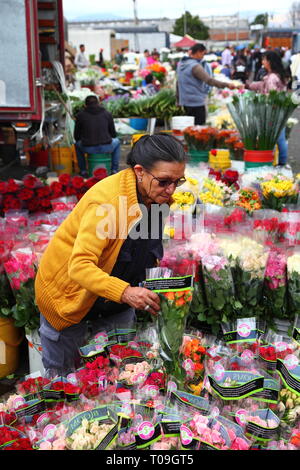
141,299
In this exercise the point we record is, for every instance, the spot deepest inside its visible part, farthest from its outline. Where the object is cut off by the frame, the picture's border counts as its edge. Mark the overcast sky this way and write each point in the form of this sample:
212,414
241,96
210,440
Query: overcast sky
171,8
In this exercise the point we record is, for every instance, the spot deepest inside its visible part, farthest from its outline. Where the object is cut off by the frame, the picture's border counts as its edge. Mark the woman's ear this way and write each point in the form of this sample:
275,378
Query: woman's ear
138,169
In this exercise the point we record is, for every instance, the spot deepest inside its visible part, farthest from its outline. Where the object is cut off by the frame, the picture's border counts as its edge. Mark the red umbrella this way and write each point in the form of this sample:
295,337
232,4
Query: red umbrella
186,42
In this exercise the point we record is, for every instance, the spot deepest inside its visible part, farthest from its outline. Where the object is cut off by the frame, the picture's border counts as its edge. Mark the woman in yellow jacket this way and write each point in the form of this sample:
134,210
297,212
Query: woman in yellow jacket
88,278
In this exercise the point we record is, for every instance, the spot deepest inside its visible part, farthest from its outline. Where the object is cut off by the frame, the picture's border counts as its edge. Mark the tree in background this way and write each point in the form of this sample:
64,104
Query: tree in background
192,25
295,13
262,18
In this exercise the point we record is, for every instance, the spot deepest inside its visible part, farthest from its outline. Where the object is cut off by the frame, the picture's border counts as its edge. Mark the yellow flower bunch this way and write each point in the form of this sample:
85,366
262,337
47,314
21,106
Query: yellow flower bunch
169,232
183,200
278,188
212,193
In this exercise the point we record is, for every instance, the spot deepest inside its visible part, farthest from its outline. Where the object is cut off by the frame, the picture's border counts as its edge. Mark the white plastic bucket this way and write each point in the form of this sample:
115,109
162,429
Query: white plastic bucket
35,352
181,122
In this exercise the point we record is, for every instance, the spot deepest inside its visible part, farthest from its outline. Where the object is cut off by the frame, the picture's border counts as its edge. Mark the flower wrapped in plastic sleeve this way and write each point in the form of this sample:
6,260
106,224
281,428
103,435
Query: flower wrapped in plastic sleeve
293,276
175,297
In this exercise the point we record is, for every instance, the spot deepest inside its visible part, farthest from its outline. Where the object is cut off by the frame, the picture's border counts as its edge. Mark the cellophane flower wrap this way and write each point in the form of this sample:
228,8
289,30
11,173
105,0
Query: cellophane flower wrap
193,353
21,269
275,286
219,290
278,191
293,276
175,292
268,223
247,260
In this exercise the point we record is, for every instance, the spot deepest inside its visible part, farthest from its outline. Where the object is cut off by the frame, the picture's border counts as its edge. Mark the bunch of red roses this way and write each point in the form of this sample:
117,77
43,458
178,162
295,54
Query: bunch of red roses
35,195
94,377
155,378
10,435
229,177
21,444
124,352
31,385
7,417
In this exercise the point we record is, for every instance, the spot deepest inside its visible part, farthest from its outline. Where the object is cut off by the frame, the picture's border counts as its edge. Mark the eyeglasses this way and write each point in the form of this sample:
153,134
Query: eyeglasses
163,183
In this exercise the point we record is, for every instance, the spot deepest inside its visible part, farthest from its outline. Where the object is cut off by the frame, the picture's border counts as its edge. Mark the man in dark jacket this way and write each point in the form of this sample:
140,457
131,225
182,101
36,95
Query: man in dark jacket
95,133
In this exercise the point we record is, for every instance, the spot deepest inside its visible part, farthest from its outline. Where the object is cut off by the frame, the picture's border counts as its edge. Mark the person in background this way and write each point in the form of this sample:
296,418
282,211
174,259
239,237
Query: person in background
144,59
81,61
95,133
89,276
295,70
150,89
239,65
118,57
100,62
193,84
226,56
275,79
226,71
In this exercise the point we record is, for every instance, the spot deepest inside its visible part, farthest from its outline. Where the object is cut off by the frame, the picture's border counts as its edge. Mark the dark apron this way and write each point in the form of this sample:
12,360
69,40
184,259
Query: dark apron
134,258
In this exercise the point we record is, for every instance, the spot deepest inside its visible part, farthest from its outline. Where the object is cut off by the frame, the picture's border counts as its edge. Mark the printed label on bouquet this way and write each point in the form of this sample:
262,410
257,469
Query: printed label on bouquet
54,395
290,378
151,391
132,360
91,351
133,344
270,393
247,356
291,362
49,432
139,378
19,401
100,413
43,419
234,337
296,335
31,408
169,284
108,440
236,385
244,328
101,337
219,372
259,431
281,346
189,367
172,386
188,402
72,379
147,434
125,336
186,435
241,417
170,428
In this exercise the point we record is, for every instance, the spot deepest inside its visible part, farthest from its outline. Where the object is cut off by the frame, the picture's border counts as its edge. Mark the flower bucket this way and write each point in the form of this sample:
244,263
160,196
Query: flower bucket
258,158
197,156
35,352
61,158
140,124
219,159
99,160
10,339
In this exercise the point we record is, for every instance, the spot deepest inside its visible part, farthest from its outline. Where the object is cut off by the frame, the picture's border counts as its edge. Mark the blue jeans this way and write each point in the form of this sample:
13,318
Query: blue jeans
61,348
282,148
114,148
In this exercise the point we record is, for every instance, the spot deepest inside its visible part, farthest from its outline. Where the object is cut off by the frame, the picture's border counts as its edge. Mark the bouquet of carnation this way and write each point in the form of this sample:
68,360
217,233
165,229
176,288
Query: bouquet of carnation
175,291
278,191
275,286
267,222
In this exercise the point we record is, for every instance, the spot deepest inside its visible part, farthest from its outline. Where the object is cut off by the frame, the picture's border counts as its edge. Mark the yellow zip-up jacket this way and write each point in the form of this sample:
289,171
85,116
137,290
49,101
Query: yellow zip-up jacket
75,268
